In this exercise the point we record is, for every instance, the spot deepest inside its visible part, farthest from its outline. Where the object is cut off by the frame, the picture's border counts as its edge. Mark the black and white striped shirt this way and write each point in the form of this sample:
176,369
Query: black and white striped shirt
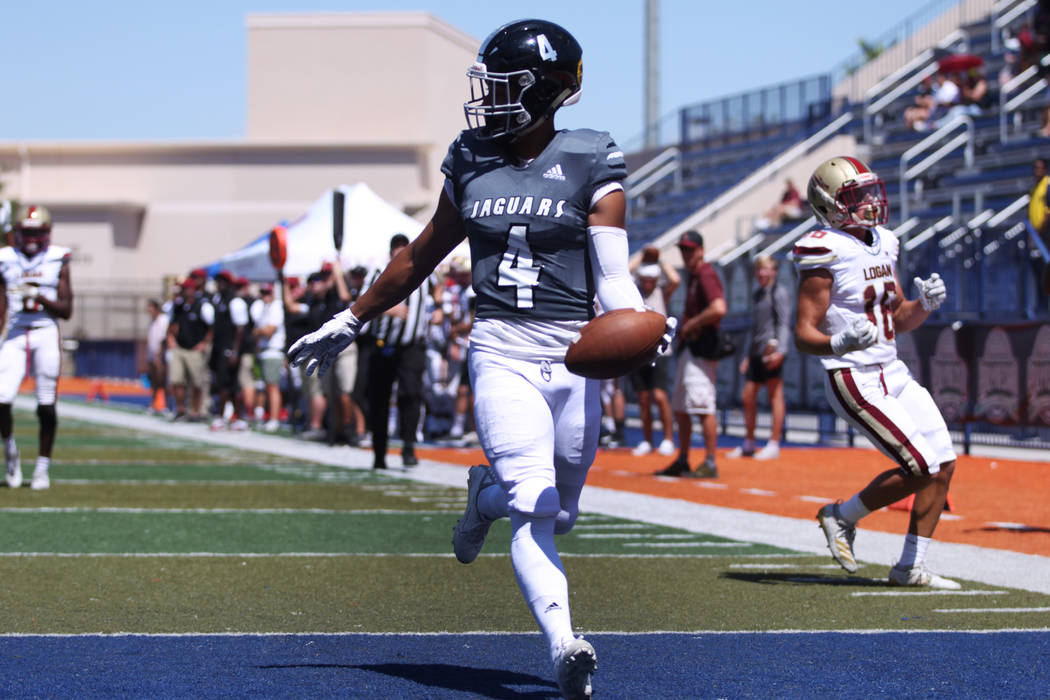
389,330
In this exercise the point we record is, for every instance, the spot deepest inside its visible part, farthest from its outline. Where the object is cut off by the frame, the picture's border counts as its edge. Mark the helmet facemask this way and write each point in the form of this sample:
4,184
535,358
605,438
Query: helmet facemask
31,241
495,107
849,199
864,201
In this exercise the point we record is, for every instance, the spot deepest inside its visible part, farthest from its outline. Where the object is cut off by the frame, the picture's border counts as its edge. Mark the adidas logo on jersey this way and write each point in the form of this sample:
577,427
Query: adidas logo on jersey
555,173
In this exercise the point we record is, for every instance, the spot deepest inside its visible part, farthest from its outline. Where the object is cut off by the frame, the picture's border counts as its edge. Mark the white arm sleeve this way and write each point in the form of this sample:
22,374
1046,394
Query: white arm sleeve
613,283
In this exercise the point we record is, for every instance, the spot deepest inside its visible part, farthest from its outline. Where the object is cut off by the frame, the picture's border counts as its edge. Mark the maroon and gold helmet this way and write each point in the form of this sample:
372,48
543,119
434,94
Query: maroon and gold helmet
845,193
32,229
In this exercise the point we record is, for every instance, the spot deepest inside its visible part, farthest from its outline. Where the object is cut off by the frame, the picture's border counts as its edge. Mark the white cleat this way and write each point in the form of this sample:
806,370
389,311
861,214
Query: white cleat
921,577
14,468
840,536
573,668
41,479
770,451
644,447
666,448
468,536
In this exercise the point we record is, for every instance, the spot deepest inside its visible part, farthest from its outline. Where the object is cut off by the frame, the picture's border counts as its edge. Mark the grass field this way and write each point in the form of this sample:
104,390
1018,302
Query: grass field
161,534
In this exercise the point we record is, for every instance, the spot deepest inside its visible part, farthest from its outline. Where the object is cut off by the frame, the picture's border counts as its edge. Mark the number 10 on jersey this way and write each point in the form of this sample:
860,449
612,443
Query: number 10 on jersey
516,268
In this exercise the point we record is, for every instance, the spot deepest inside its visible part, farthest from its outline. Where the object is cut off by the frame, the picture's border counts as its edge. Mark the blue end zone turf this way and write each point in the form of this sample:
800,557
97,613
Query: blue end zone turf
840,665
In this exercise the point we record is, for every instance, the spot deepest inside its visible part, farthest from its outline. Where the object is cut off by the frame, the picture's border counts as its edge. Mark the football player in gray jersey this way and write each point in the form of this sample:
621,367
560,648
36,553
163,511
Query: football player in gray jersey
543,211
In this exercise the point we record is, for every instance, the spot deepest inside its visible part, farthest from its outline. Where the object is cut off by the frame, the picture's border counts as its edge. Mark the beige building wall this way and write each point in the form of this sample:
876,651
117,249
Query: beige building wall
378,76
333,99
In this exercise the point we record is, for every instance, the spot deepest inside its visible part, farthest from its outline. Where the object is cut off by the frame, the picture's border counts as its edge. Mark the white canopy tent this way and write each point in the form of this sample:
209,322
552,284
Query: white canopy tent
368,223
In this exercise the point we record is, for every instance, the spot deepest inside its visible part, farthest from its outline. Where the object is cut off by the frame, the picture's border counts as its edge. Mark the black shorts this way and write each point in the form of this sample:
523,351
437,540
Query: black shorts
223,376
757,372
651,376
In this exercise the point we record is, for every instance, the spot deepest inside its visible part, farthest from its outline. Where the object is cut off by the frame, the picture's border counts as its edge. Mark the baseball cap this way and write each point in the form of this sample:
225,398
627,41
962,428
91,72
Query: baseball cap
315,277
691,239
189,283
200,273
326,268
225,275
266,288
241,281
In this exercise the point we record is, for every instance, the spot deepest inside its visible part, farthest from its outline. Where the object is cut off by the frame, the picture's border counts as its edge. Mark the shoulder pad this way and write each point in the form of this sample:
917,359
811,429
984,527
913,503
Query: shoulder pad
815,249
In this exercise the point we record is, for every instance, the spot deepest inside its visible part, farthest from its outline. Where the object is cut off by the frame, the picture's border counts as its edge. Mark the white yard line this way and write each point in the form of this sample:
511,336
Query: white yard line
992,567
910,594
991,610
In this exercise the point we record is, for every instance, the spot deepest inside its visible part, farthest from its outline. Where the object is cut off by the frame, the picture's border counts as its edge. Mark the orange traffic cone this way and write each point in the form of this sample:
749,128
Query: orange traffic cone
160,401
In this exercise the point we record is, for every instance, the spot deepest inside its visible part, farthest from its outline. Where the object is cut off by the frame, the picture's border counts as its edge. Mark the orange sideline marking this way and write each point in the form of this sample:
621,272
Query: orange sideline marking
984,491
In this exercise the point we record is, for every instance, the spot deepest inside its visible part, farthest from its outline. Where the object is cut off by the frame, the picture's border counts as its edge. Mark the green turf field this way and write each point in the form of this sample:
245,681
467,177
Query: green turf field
141,533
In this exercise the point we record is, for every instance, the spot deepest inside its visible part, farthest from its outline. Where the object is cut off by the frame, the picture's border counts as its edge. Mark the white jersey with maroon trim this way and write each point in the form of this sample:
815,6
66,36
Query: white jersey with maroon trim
863,284
20,273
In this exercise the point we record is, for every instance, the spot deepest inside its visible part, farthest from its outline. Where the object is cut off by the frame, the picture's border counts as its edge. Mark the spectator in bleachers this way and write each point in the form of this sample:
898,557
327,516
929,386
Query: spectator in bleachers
789,207
770,340
657,280
929,110
189,338
974,90
1043,131
156,367
1041,33
1039,200
268,319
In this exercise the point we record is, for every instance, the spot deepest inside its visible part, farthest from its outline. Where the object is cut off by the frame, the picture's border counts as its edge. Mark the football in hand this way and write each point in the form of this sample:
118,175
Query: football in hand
616,343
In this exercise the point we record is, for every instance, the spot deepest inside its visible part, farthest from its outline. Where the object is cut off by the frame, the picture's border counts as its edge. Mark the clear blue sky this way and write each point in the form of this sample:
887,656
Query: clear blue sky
140,70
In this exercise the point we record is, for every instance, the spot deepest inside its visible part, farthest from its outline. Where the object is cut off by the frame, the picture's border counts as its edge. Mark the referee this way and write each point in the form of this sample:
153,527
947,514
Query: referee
396,350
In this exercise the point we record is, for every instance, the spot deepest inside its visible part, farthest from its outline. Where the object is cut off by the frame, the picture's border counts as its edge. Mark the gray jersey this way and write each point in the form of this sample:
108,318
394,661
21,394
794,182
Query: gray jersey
527,224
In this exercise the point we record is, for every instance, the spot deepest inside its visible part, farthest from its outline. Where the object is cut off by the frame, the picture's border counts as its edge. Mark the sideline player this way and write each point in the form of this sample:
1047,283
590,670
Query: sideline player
544,213
36,291
850,308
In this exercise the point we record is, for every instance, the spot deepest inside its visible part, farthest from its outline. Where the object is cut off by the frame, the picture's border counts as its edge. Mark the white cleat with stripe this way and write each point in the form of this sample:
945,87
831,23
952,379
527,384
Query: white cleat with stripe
840,535
921,577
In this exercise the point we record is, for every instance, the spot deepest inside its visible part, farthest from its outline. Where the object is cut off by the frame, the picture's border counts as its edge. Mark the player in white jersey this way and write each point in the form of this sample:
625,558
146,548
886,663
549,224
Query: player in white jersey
36,292
851,305
544,213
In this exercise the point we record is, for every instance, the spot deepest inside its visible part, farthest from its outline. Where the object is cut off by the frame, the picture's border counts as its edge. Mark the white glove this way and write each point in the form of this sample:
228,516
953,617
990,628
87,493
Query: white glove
861,334
932,292
667,339
30,292
319,349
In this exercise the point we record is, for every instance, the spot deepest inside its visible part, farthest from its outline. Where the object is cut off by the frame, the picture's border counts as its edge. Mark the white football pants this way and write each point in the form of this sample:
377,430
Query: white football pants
34,351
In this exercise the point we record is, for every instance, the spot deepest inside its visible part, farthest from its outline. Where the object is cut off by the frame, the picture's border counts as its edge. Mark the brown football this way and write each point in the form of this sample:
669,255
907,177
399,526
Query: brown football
616,343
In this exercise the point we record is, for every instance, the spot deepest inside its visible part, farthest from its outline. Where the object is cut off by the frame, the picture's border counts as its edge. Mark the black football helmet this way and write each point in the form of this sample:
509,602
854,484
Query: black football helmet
525,71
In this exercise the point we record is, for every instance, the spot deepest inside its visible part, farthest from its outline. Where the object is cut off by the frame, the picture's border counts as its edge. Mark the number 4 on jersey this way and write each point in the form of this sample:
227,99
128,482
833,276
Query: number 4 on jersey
516,268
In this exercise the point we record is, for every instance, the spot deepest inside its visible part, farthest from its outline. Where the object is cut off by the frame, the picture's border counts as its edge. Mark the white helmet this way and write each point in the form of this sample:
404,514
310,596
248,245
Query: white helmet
844,193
